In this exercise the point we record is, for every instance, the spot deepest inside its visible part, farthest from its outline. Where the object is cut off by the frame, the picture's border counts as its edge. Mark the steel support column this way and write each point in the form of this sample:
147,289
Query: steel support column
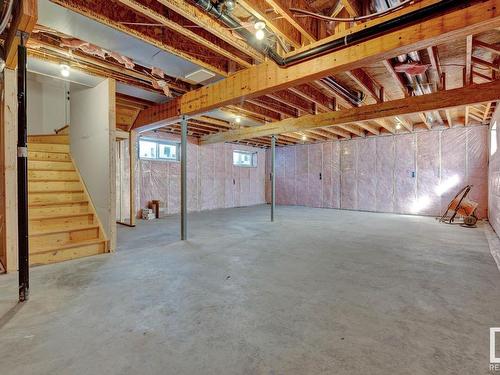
22,173
184,178
273,176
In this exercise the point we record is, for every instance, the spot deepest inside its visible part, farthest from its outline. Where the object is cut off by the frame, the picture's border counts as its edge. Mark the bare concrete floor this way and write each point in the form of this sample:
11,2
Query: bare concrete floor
317,292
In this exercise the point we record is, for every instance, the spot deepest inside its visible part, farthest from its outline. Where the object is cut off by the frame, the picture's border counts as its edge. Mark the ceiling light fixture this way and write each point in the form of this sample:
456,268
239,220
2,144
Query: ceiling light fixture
398,126
237,119
260,34
259,25
65,72
304,138
229,5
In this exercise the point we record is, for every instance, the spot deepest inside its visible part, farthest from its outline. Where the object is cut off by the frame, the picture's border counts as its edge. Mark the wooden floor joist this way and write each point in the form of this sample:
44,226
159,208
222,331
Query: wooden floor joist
441,100
268,77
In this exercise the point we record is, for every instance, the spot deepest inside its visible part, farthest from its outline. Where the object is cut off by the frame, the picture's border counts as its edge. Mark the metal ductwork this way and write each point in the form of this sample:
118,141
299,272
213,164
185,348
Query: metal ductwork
354,97
419,83
384,27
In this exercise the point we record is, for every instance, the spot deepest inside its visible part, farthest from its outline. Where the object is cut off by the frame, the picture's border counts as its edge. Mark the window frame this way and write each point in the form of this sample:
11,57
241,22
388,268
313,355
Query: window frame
254,155
158,142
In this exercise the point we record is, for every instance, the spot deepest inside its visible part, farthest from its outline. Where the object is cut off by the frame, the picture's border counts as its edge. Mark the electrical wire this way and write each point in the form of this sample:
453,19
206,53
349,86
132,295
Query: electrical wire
6,16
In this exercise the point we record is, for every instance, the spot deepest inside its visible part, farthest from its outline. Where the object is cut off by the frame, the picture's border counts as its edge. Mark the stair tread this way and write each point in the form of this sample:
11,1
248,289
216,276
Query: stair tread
43,204
54,191
65,228
61,216
70,245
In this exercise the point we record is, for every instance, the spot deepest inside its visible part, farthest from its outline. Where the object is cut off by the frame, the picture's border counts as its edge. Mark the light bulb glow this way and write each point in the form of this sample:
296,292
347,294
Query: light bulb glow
259,34
398,126
304,138
259,25
65,71
237,119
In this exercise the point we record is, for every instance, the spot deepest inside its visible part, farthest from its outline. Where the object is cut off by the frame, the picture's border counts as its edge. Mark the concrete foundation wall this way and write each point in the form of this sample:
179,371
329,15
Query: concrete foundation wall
415,173
92,142
494,173
212,181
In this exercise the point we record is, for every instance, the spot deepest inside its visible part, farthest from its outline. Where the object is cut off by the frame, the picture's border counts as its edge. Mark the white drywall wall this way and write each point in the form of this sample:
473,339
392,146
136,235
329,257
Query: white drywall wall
92,140
47,104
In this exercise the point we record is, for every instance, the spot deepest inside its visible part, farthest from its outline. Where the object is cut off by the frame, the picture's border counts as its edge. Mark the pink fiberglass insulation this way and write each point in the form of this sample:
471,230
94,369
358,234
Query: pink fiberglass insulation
428,201
327,180
477,166
213,181
367,178
336,174
301,174
289,177
404,174
415,173
385,164
494,173
348,171
453,166
280,170
314,175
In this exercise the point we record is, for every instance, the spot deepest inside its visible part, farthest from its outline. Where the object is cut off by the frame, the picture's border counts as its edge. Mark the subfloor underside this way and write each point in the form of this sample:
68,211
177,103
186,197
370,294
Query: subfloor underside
317,292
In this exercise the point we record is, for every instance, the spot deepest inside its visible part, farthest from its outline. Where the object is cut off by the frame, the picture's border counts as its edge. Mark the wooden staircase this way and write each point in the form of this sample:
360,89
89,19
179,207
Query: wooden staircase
63,223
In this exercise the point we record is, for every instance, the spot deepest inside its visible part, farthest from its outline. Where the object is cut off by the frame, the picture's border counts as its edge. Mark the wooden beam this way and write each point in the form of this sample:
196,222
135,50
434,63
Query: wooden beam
478,61
155,16
469,95
353,129
268,77
24,20
366,83
289,98
371,128
449,118
434,58
397,78
310,93
277,24
468,60
203,20
493,48
305,31
352,7
423,117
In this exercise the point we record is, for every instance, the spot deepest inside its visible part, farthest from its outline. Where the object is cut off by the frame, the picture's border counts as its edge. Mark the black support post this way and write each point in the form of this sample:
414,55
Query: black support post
184,178
273,176
22,174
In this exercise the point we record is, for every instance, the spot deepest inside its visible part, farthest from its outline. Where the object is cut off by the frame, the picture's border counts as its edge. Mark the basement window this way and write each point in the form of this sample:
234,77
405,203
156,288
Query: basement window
245,159
154,149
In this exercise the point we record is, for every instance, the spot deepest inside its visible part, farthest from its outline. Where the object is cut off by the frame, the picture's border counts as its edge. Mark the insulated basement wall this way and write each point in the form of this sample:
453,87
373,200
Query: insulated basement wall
415,173
212,180
494,173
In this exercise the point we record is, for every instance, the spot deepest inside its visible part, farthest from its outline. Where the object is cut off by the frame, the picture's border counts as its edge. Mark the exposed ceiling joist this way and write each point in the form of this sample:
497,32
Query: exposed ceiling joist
154,15
267,77
465,96
203,20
